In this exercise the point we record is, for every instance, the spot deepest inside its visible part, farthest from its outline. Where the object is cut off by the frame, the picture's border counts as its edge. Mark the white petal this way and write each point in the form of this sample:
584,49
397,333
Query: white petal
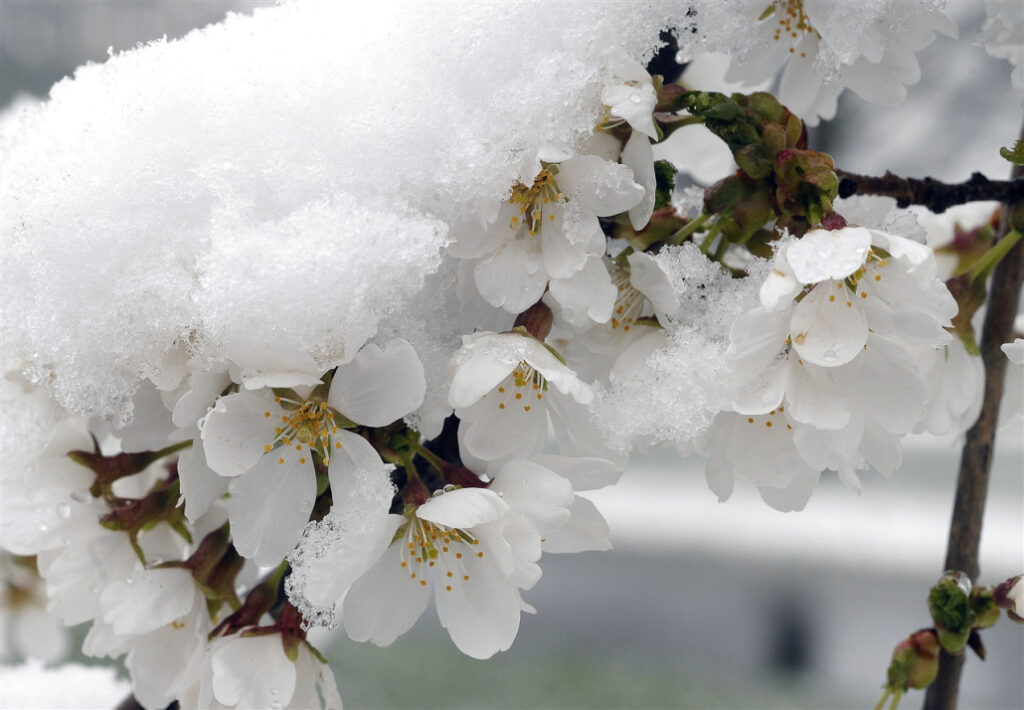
780,286
476,376
482,614
822,254
490,432
253,672
379,386
586,530
463,508
598,186
585,473
147,600
270,505
588,295
200,485
236,431
561,257
828,326
511,278
638,156
328,576
647,277
350,453
385,602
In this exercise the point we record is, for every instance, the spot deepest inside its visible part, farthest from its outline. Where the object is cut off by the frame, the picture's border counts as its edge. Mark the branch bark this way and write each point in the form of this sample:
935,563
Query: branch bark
933,194
976,458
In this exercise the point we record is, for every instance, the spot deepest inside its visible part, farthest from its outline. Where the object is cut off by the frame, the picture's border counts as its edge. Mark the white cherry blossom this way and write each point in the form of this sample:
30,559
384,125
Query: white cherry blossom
268,441
254,671
824,47
505,388
547,229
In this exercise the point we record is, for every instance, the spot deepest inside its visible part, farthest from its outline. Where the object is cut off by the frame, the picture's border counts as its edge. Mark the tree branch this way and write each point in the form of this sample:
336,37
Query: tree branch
933,194
976,459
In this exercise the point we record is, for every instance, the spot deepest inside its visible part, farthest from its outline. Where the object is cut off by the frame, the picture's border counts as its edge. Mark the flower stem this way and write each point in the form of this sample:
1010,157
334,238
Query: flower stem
976,458
689,228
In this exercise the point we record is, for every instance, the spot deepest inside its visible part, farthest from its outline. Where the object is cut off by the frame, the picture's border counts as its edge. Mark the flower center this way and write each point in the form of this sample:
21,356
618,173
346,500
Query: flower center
524,387
304,425
534,200
791,22
432,549
629,303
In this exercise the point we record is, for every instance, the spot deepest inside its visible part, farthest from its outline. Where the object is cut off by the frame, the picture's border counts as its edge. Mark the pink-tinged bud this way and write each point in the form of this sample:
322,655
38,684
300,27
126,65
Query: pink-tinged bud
833,222
915,663
1010,596
536,319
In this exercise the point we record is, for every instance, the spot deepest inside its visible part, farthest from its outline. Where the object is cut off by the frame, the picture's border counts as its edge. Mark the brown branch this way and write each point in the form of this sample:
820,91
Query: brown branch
933,194
976,459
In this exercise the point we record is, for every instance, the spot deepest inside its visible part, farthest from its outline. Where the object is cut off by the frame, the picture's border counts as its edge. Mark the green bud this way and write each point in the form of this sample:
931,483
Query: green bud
984,607
949,604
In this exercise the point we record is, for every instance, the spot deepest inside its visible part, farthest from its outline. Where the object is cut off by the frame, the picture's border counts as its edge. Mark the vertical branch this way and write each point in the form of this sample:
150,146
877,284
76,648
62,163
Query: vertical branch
976,459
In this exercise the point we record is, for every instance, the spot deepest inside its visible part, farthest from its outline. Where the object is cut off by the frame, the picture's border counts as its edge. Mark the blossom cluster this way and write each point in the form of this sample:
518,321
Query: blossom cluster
349,405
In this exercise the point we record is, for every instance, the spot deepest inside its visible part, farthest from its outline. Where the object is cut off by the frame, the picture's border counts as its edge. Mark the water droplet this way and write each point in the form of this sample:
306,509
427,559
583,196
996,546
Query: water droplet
64,510
274,691
43,527
81,496
275,705
635,97
129,581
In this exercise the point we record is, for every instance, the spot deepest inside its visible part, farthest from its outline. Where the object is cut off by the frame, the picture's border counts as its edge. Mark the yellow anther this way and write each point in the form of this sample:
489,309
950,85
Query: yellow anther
266,414
750,420
267,448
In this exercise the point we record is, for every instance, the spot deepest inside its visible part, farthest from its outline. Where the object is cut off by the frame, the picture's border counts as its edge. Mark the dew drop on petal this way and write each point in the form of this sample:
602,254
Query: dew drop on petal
64,510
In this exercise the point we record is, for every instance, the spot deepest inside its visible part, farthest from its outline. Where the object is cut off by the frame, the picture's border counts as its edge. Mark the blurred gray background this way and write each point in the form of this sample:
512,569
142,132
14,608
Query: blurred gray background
701,605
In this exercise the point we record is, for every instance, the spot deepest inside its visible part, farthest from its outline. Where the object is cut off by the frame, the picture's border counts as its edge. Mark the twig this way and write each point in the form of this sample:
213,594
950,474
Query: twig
976,459
933,194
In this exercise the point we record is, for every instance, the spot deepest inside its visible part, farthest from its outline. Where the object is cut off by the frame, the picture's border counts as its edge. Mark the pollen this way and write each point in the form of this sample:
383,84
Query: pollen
449,574
849,304
750,420
448,587
863,294
831,298
423,582
768,424
266,414
267,447
526,408
878,277
404,563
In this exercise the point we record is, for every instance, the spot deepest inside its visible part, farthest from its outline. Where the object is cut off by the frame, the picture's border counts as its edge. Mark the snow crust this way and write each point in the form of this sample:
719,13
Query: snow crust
290,176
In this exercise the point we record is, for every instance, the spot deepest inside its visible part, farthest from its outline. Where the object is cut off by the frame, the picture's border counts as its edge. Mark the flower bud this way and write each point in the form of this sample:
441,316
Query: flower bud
984,607
1010,596
915,662
949,604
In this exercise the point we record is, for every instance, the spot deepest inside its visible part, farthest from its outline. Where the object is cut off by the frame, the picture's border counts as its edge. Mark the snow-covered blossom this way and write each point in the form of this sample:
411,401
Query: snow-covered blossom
831,348
269,442
505,388
825,47
547,229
